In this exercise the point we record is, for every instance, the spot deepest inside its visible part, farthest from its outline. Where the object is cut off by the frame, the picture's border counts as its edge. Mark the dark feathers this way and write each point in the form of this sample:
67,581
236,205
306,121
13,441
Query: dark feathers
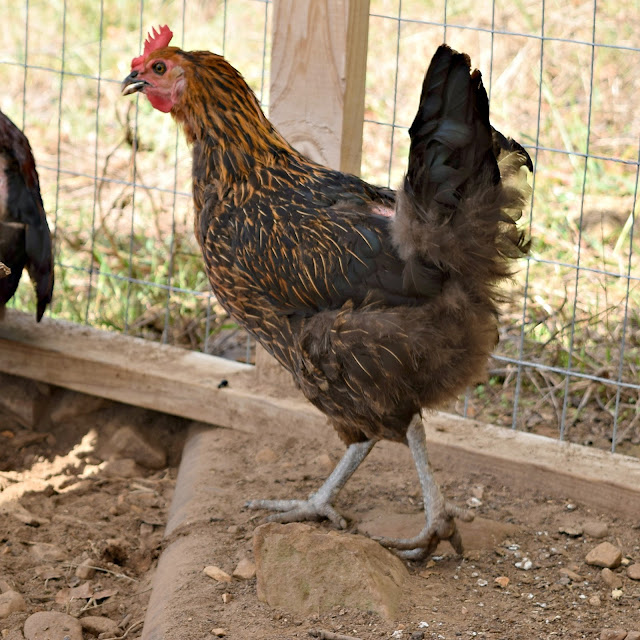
25,241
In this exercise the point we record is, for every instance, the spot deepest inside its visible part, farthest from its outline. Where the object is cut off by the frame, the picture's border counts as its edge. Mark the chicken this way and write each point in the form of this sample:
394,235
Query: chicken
25,240
380,304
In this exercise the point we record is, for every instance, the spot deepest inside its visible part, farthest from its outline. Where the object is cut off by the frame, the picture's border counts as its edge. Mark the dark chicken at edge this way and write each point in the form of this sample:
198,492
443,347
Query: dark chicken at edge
380,304
25,241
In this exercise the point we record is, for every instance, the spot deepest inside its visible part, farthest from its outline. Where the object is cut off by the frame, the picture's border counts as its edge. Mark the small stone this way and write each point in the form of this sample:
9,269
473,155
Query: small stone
219,632
10,602
571,530
502,581
613,634
44,552
325,463
245,569
226,598
612,580
525,564
595,601
99,624
604,555
474,502
217,574
85,570
572,575
616,594
52,625
16,510
595,529
266,456
122,468
633,571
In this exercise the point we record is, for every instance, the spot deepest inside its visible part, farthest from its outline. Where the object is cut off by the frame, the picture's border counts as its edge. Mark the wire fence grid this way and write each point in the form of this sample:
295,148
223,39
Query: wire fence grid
115,177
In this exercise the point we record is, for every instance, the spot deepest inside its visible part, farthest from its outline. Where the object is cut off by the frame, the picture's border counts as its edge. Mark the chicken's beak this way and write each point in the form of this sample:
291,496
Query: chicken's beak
131,84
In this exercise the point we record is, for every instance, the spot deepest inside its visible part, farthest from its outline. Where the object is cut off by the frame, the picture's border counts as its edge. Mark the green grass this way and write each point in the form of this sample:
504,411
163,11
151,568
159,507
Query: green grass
146,234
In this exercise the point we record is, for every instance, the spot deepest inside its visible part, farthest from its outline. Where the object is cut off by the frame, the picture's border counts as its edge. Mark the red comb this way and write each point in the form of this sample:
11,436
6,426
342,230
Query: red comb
155,40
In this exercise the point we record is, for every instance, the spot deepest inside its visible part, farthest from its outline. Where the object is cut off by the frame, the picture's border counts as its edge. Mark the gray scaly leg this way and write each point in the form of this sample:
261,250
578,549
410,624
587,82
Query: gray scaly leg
439,515
319,504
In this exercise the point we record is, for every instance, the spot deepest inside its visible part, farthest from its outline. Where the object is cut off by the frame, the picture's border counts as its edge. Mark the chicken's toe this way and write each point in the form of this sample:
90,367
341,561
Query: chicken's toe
299,510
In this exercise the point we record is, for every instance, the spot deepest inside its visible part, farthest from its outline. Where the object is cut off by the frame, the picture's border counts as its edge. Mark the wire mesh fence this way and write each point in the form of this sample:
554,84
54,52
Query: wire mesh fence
562,80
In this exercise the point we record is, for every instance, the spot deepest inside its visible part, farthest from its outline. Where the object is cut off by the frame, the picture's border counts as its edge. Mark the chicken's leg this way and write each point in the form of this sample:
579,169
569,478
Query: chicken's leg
319,504
440,522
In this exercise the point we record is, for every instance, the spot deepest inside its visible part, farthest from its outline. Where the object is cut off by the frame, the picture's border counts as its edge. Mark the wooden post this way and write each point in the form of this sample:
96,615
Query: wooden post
318,69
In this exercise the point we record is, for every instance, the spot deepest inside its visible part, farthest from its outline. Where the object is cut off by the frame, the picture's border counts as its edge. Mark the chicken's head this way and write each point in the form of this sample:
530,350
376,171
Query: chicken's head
157,72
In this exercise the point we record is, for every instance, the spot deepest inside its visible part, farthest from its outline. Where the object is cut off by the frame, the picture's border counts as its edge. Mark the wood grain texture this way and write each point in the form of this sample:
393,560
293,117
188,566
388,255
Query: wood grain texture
318,68
185,383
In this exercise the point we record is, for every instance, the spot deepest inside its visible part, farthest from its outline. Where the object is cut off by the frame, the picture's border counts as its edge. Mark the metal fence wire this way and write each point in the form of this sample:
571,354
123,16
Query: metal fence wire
562,79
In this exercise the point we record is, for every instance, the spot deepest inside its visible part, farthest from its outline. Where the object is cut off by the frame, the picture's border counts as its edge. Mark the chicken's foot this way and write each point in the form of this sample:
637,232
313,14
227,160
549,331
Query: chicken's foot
439,514
319,505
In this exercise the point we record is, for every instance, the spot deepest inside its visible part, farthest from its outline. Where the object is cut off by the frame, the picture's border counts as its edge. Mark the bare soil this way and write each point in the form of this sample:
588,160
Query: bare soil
112,516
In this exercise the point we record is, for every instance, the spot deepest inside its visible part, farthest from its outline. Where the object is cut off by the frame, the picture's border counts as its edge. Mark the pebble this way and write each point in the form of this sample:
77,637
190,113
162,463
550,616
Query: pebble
266,456
85,570
611,579
616,594
99,624
595,601
604,555
613,634
122,468
572,575
633,571
219,632
325,462
502,581
571,530
52,625
10,602
525,564
44,552
245,569
227,598
595,529
217,574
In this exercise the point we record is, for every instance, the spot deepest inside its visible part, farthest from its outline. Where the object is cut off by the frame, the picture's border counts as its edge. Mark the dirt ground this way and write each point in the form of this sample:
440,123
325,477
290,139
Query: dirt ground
70,496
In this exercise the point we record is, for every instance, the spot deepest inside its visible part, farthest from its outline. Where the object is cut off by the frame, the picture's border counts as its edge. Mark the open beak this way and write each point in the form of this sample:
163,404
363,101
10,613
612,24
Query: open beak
131,84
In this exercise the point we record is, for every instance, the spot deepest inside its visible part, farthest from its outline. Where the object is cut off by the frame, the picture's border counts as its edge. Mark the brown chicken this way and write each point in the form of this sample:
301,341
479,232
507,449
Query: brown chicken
380,304
25,241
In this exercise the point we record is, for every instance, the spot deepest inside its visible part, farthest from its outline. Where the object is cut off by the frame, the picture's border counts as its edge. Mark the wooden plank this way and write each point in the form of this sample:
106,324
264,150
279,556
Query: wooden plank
318,69
185,383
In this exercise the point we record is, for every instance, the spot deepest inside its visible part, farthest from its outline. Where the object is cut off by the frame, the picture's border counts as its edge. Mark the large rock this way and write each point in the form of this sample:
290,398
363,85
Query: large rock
305,570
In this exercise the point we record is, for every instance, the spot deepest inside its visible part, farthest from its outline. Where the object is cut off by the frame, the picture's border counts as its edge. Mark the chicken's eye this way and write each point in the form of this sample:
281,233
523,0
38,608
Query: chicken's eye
159,68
